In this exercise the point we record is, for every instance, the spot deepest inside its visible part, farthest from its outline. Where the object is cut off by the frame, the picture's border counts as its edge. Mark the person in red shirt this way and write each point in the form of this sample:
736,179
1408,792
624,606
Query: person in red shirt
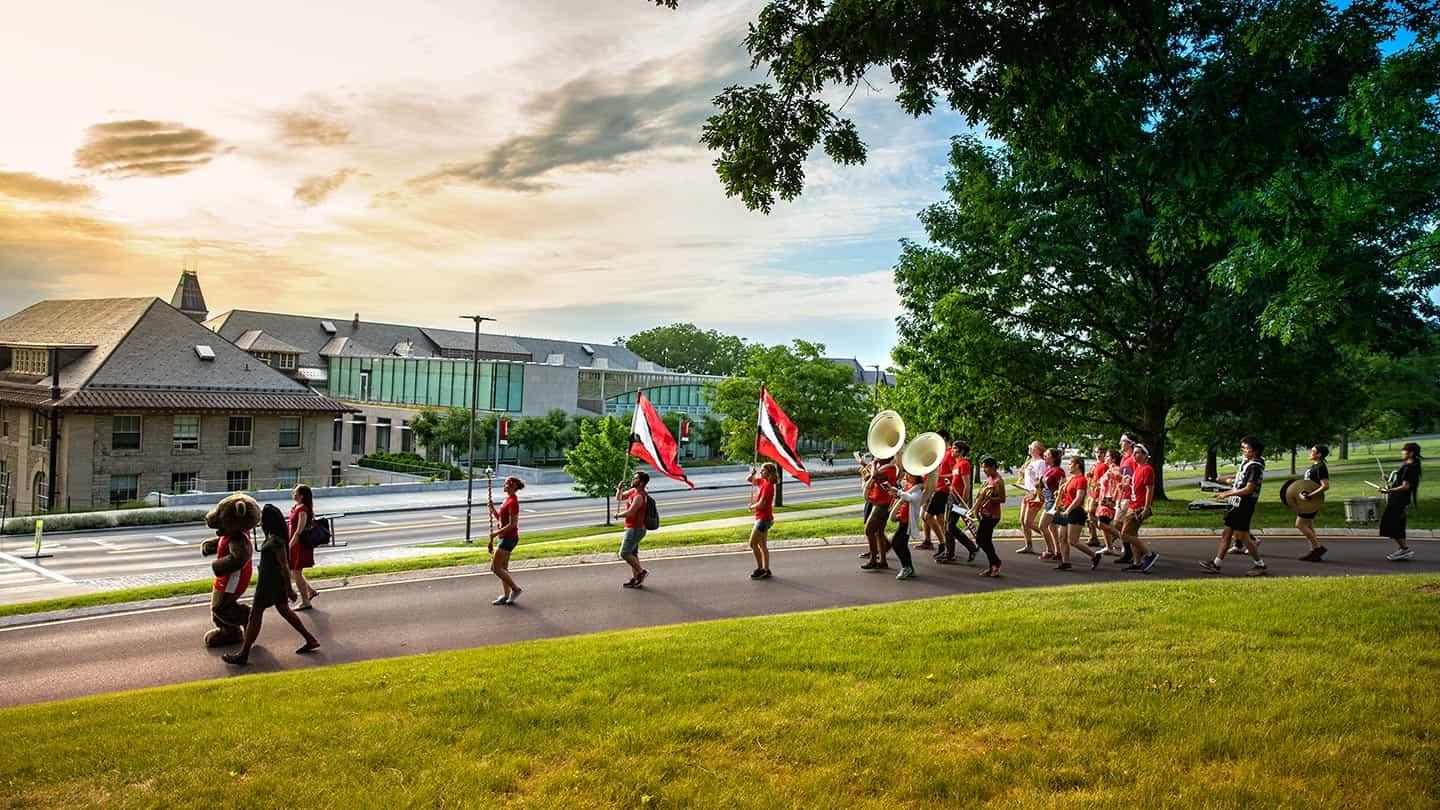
988,502
1070,516
1107,500
939,502
302,515
959,494
1097,473
1050,483
1142,499
882,483
635,500
508,516
908,516
762,503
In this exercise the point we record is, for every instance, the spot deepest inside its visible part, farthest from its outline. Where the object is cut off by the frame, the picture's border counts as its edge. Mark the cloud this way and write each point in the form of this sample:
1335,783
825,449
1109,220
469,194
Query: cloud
311,129
140,148
27,186
597,120
315,190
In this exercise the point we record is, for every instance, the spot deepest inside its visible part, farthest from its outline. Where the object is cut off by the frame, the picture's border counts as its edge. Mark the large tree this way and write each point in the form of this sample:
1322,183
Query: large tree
688,348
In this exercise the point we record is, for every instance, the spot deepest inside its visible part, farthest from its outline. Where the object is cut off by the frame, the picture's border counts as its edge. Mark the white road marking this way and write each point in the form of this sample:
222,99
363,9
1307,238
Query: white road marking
377,523
29,566
104,544
170,539
451,517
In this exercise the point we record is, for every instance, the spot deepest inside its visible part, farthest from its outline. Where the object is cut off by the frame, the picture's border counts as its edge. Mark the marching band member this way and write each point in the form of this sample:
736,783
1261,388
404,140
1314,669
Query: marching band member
908,516
1246,489
1106,501
959,494
988,502
1402,490
1097,472
1032,502
1319,472
1122,505
1050,481
882,484
940,501
1070,516
1141,506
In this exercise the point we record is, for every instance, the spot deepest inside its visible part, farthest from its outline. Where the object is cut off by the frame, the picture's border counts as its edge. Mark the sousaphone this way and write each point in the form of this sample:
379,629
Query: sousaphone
886,435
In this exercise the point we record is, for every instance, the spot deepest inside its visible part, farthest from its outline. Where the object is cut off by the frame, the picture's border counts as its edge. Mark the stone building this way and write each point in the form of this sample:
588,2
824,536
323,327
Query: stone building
104,401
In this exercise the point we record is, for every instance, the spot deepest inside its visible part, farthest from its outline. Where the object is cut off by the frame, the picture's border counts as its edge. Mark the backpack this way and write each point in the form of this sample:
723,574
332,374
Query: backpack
652,515
316,534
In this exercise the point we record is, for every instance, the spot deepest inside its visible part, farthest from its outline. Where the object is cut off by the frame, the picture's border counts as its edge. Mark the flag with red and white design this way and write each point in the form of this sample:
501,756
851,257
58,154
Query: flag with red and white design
651,442
775,438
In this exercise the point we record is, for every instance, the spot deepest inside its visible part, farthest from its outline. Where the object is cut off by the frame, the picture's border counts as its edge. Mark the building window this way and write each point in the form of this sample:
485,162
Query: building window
186,433
31,361
39,429
124,489
263,357
357,436
289,433
125,431
184,482
364,384
40,493
407,438
285,362
382,435
240,432
237,480
337,441
287,478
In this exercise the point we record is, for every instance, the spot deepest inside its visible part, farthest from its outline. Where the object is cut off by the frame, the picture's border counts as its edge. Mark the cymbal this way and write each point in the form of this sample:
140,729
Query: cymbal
1290,495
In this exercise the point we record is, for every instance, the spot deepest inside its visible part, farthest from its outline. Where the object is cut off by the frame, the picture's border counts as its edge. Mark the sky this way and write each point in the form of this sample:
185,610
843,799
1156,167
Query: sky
413,162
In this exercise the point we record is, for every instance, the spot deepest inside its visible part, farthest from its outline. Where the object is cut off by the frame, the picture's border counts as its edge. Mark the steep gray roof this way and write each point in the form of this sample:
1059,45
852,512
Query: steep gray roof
456,340
187,296
145,356
618,357
257,341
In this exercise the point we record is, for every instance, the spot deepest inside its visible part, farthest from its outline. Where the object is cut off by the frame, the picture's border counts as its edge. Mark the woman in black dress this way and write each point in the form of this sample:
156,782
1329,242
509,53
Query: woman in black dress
1401,492
275,589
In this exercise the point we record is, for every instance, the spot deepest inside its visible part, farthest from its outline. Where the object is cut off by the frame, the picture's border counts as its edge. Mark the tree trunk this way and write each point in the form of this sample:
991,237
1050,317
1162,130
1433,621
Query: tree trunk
1292,461
1152,432
1344,446
1212,463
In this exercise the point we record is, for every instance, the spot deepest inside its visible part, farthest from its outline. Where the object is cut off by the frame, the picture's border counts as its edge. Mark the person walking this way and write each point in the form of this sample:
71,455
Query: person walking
939,502
1245,492
908,517
1401,491
881,497
1033,501
1305,521
302,517
763,505
987,505
1141,507
636,499
1070,517
1050,482
274,589
959,495
1097,472
508,516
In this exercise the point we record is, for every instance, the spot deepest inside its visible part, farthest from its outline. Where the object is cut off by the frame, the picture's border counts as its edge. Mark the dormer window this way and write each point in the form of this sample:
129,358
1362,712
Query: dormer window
263,357
285,362
31,361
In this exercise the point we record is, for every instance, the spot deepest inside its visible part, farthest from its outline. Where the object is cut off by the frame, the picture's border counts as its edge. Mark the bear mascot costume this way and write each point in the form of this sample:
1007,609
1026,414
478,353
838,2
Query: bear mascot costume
232,519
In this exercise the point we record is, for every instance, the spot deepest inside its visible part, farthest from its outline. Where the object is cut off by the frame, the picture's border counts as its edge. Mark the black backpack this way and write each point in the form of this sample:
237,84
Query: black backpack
316,534
652,515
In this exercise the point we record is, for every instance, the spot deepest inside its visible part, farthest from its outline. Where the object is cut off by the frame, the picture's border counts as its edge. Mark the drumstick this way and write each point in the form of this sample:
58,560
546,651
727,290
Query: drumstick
1373,484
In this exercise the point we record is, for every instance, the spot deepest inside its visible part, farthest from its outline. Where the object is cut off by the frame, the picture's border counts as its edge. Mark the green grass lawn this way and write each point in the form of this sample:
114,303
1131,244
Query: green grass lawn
1296,692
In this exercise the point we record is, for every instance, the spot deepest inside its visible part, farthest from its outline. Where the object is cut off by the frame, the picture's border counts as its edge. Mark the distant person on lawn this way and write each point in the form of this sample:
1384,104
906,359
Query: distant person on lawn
635,499
274,589
508,531
1401,492
763,505
302,517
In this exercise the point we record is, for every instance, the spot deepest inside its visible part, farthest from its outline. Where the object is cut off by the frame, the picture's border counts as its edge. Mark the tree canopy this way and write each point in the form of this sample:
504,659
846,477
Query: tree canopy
601,459
687,348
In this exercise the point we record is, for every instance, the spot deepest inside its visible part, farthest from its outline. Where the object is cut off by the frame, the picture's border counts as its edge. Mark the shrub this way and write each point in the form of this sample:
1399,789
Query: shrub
94,520
409,463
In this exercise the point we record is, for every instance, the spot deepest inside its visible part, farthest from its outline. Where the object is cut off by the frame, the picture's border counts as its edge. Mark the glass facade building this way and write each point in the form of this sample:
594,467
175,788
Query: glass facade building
427,382
613,391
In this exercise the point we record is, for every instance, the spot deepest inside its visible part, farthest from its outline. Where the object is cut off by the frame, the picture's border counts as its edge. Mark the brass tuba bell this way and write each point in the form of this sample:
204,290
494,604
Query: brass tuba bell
886,435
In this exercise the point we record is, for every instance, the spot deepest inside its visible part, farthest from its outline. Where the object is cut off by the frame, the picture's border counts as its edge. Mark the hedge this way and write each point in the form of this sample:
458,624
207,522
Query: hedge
99,520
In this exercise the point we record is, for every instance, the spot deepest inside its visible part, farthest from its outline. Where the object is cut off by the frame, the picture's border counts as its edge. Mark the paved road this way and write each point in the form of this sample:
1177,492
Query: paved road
163,646
123,558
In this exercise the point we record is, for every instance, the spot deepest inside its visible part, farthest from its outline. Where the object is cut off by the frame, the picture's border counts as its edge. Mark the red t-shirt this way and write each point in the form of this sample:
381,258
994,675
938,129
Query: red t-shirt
1097,474
947,467
1142,485
509,509
765,494
1053,478
961,478
238,581
1073,494
1127,472
992,509
877,494
636,520
902,515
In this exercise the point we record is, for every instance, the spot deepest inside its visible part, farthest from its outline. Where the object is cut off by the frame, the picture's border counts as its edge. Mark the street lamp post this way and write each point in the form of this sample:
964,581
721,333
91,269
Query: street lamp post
474,398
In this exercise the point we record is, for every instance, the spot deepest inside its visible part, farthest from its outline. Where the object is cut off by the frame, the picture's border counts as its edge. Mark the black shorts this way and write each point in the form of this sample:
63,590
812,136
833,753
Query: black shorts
1238,517
939,502
1077,516
1105,519
1392,521
1307,515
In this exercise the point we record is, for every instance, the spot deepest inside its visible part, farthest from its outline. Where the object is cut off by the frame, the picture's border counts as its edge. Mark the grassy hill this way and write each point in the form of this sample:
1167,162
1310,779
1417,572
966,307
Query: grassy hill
1284,692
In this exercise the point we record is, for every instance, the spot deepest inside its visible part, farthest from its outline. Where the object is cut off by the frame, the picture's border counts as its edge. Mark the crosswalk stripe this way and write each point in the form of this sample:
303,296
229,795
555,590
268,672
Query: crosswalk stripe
170,539
29,566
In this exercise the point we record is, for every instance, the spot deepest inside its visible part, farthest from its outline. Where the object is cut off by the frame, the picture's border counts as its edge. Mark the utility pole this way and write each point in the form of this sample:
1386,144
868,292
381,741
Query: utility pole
474,396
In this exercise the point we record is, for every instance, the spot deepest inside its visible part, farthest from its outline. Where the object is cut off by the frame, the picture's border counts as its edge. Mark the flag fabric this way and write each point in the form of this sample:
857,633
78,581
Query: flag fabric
651,442
775,438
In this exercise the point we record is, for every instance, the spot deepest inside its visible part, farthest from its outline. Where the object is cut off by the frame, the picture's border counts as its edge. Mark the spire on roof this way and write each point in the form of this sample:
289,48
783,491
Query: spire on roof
188,298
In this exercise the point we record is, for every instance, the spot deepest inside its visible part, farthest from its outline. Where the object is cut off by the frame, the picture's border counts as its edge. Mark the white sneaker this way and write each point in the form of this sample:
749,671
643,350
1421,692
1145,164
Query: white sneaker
515,596
905,573
1401,554
501,601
